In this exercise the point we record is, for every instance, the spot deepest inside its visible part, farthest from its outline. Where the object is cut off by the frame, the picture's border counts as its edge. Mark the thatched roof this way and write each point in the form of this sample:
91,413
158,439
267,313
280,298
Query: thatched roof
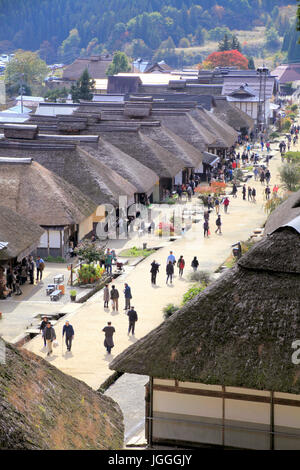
224,135
288,210
21,234
132,170
39,195
44,409
238,332
145,150
190,156
185,126
96,66
232,115
97,181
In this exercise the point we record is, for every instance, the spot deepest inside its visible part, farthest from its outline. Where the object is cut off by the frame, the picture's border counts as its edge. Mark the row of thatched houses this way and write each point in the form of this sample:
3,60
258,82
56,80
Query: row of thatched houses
95,152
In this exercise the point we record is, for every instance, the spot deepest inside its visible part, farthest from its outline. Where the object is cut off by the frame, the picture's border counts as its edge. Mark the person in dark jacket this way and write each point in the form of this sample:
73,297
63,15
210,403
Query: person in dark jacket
218,224
128,296
132,316
68,329
195,263
108,341
170,272
50,336
42,328
154,270
114,296
31,269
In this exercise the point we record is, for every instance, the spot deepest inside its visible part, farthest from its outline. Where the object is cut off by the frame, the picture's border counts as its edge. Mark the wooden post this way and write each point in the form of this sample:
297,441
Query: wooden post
71,274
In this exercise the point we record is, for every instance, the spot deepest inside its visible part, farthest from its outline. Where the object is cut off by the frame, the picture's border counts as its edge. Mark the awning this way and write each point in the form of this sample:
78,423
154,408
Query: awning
3,245
210,158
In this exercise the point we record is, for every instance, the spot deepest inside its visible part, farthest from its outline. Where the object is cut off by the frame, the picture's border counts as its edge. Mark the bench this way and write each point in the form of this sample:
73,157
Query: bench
50,288
55,295
59,278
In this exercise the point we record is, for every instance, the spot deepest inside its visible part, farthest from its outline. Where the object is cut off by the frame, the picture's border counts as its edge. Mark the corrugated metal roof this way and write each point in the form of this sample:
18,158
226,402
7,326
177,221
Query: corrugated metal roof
22,161
232,83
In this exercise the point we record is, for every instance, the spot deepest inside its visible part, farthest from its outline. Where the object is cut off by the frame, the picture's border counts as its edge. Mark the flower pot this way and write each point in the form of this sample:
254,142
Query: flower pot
73,298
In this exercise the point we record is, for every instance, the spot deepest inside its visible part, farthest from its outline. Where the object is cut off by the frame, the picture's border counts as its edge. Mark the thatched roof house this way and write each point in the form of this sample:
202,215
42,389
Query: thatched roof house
142,177
233,116
146,151
221,367
22,235
44,409
41,196
96,65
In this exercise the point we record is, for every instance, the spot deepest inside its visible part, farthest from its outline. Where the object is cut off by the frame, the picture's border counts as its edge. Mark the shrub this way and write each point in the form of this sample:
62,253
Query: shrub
169,310
200,276
88,273
192,292
290,176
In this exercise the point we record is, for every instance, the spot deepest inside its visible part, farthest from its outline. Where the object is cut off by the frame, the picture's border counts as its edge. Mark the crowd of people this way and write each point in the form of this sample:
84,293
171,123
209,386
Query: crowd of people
12,278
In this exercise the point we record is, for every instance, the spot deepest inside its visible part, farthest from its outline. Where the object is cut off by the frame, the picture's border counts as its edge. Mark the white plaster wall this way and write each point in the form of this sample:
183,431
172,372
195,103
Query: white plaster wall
194,405
251,412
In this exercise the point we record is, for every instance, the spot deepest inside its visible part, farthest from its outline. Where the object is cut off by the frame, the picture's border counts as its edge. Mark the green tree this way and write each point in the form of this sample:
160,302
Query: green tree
235,44
70,47
119,64
83,90
184,43
225,43
58,94
251,64
25,68
89,252
272,39
200,36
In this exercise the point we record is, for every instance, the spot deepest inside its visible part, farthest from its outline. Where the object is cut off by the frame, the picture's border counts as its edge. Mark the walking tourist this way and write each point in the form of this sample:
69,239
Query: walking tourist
195,263
206,228
69,331
114,296
31,269
154,270
108,261
226,203
218,224
244,190
132,317
40,266
170,271
106,296
180,265
253,195
128,296
108,341
42,328
50,336
171,258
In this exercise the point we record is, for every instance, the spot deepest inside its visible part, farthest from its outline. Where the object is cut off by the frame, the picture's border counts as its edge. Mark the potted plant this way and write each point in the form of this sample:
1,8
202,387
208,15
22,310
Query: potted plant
73,295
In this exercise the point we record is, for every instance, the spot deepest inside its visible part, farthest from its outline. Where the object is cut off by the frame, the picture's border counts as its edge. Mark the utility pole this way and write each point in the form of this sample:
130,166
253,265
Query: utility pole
261,112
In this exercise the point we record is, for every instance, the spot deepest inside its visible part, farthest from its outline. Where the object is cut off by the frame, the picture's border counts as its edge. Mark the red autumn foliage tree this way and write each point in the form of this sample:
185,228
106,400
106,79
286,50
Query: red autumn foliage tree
225,59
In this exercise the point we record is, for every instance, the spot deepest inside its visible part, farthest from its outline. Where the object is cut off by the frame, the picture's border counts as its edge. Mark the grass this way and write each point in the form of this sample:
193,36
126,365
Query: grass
135,252
53,259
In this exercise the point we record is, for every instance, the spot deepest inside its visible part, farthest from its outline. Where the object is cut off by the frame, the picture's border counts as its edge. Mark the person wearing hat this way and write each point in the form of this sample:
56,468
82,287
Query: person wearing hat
132,316
50,336
68,329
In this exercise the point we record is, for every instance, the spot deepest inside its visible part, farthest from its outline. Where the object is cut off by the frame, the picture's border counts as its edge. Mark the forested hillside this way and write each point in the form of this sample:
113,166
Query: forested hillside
62,29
